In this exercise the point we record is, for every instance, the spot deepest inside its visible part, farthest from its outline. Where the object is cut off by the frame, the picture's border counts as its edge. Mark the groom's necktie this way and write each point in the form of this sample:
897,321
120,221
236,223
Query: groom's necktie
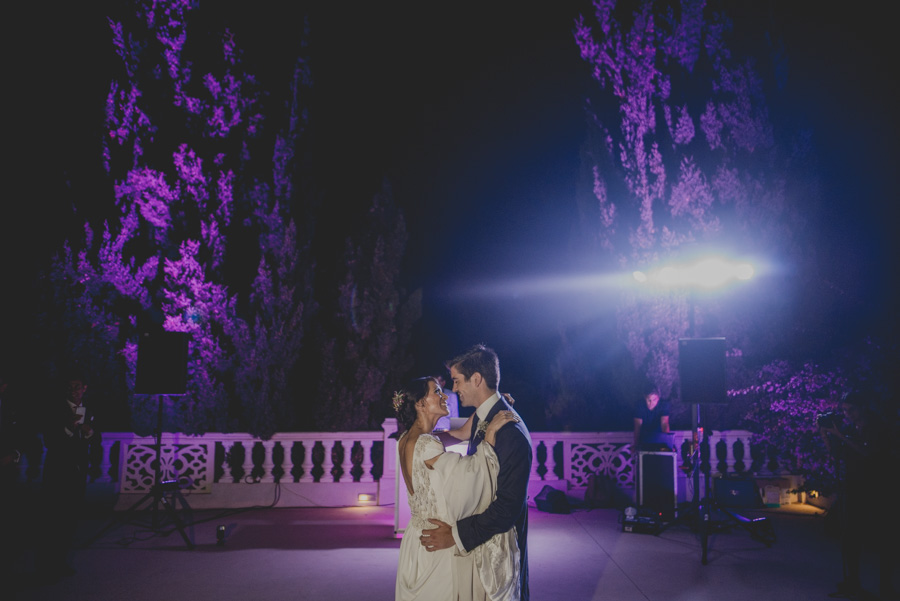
473,439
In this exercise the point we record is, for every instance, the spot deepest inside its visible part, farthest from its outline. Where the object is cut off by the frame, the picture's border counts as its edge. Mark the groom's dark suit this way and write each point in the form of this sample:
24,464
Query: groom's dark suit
513,448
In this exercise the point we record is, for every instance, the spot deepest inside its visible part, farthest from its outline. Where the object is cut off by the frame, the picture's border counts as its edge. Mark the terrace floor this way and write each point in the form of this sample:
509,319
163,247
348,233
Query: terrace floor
350,554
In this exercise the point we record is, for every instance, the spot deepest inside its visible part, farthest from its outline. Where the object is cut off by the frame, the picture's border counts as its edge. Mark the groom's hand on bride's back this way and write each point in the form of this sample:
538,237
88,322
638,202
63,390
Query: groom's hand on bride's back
437,538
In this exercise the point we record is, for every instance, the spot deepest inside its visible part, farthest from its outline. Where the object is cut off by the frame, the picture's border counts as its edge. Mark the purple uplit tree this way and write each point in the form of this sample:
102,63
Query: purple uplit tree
683,154
203,240
213,233
784,403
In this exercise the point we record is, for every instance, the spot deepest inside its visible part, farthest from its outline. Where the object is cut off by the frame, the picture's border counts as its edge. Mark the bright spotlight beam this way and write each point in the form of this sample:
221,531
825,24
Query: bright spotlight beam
707,273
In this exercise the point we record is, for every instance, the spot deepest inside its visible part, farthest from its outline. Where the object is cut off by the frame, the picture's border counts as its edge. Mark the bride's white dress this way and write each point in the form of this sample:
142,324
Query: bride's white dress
457,487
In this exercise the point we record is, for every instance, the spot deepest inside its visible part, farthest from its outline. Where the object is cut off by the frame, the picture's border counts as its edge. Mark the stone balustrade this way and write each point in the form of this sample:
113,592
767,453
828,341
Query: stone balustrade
359,468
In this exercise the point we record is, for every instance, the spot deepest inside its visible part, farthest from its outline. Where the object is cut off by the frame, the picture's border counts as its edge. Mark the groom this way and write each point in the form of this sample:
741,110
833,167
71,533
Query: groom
476,375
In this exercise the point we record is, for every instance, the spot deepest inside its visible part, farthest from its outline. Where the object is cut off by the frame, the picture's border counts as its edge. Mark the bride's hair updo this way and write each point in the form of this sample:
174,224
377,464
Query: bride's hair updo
405,399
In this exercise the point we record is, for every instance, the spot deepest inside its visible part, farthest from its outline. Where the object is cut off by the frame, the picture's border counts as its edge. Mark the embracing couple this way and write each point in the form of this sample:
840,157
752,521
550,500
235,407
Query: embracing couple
466,539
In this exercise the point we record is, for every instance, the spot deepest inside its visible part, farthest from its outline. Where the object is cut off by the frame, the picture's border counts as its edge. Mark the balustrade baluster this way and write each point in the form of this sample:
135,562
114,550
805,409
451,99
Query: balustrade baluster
367,464
535,475
227,446
268,464
248,460
715,462
327,462
729,455
105,461
550,463
287,464
347,463
746,459
307,461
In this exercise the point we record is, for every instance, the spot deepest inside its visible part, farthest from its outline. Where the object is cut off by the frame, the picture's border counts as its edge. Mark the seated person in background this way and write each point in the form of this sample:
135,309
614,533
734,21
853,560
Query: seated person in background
651,421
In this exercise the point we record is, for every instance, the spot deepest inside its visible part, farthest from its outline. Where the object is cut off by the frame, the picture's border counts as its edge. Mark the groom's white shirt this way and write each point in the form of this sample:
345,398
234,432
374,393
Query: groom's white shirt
482,412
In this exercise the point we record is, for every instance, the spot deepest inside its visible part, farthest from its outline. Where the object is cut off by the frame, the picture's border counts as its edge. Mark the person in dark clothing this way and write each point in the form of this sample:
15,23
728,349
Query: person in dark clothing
861,444
68,435
651,418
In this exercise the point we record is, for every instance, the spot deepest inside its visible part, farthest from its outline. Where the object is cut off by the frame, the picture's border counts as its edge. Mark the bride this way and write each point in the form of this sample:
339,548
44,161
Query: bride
449,486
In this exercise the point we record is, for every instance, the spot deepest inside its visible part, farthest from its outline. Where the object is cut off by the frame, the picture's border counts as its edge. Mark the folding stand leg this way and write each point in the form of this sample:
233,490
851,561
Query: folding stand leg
179,525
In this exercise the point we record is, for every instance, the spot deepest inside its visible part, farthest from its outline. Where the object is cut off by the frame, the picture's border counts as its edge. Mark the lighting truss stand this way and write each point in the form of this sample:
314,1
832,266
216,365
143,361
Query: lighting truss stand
157,495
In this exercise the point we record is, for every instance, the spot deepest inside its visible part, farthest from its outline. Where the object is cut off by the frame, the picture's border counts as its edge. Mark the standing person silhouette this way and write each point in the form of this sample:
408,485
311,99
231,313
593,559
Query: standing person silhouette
68,433
476,376
863,445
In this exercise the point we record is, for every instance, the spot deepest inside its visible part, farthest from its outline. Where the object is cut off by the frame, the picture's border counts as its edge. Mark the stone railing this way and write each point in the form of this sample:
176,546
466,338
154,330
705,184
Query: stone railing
359,468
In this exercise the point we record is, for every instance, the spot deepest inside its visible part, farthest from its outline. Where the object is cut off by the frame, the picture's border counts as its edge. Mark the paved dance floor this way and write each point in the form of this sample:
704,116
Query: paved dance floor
350,554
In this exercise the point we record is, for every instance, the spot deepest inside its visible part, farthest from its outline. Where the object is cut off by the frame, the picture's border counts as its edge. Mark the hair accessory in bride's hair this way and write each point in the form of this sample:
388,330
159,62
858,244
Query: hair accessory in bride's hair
397,400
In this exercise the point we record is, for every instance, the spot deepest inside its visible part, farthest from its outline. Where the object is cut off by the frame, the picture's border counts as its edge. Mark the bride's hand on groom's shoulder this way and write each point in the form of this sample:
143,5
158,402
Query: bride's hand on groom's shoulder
498,421
509,398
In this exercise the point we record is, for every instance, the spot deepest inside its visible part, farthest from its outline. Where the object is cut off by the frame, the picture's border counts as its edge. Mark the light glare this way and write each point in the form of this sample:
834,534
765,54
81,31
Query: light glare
707,273
744,271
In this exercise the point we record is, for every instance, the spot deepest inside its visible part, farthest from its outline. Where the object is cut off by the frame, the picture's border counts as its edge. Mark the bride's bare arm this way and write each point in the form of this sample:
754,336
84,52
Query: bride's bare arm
490,433
464,431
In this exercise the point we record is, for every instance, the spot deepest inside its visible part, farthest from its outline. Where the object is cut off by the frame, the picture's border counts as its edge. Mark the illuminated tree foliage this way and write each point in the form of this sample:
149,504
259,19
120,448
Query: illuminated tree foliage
683,155
204,236
784,404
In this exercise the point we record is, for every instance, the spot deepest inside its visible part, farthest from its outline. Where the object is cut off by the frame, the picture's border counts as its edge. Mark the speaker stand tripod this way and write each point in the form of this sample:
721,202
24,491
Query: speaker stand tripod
702,508
157,496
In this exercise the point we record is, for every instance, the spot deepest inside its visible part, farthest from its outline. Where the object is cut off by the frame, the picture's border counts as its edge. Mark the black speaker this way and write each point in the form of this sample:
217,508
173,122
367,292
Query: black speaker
162,363
658,485
551,500
701,368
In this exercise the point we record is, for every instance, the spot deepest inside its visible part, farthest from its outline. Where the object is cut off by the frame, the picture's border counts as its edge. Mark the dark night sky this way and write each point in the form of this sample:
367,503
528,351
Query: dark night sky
474,112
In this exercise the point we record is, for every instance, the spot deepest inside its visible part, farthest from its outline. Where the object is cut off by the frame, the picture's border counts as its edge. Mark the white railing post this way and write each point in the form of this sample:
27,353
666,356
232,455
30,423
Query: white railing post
106,461
388,484
347,462
307,465
713,441
268,465
367,464
535,474
287,463
729,453
550,462
227,446
248,459
327,462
